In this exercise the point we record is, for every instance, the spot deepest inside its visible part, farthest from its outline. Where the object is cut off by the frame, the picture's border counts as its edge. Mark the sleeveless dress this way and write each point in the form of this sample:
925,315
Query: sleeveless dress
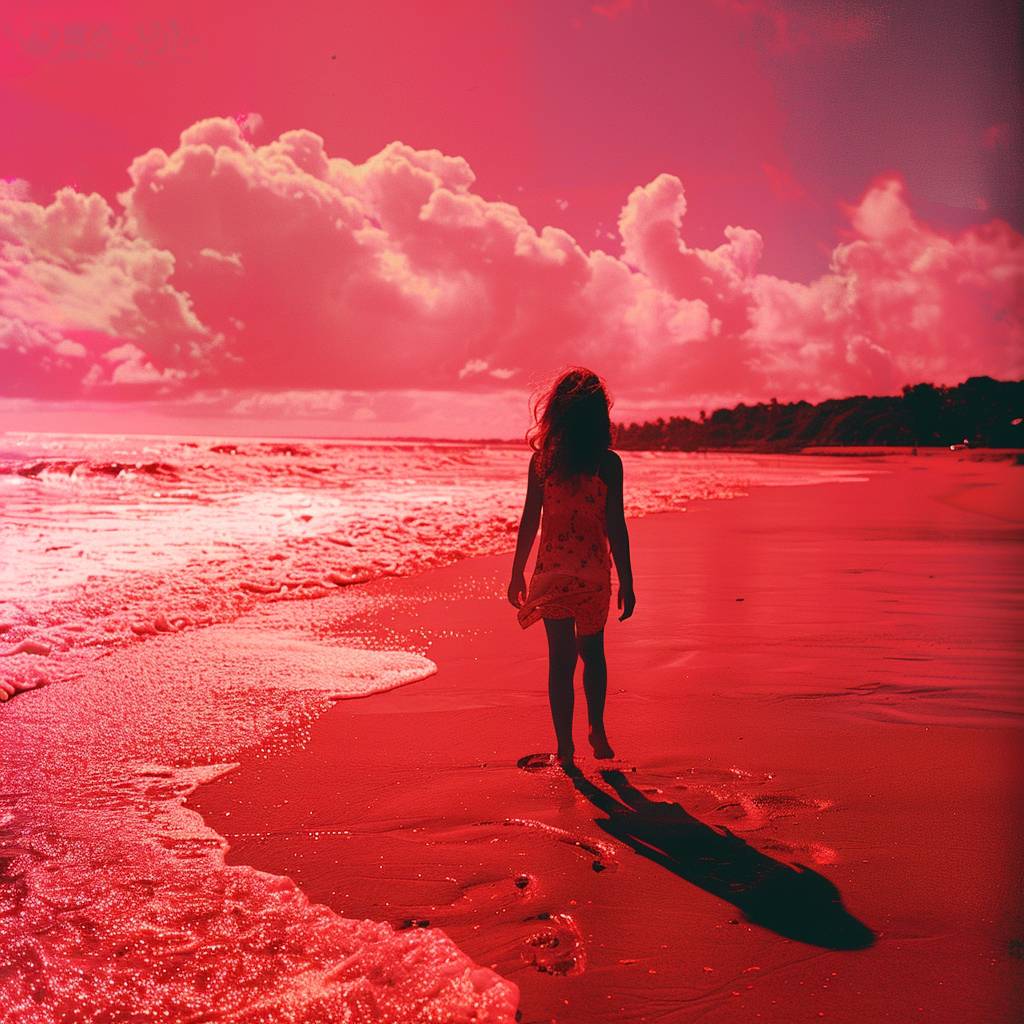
572,576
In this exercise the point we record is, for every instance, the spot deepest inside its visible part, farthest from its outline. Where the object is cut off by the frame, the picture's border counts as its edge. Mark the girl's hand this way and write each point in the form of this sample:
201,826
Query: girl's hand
627,602
517,590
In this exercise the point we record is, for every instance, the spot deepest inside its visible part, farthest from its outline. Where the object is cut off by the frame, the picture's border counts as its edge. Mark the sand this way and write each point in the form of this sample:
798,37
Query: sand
815,811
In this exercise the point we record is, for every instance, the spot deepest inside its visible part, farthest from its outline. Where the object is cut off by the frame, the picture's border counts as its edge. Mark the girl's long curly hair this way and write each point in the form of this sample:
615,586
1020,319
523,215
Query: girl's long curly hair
572,427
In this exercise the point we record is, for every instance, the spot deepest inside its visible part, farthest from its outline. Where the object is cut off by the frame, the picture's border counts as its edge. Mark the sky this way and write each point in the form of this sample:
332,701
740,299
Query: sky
341,219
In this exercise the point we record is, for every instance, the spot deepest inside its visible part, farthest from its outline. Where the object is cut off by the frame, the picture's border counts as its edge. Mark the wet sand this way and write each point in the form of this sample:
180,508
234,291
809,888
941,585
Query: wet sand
815,811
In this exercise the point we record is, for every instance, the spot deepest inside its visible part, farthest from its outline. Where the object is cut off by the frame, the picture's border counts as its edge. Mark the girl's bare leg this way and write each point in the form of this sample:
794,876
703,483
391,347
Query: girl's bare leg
595,686
561,669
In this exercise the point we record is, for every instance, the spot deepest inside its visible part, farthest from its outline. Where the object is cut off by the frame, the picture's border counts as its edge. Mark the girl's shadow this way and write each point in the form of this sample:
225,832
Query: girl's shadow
793,901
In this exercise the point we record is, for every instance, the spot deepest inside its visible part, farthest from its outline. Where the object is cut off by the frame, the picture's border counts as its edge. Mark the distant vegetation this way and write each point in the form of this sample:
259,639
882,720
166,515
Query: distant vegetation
985,412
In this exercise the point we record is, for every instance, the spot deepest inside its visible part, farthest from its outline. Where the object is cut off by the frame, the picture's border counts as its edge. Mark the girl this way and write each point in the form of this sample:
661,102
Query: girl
577,479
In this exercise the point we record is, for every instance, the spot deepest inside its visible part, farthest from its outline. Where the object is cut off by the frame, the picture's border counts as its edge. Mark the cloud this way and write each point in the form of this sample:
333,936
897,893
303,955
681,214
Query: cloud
73,283
475,366
251,123
14,188
901,302
234,269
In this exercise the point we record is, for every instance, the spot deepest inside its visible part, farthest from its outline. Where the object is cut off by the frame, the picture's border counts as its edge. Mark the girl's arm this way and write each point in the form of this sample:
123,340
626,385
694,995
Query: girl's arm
618,536
527,532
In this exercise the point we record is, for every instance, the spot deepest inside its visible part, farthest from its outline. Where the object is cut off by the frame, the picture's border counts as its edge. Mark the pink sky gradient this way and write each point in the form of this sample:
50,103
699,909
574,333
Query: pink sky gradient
379,219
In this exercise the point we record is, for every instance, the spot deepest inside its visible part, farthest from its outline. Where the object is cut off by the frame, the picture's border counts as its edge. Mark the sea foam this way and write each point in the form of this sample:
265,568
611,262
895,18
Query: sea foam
115,899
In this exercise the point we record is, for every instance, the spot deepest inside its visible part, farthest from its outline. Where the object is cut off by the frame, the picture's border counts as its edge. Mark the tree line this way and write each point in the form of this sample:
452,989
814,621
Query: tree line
982,411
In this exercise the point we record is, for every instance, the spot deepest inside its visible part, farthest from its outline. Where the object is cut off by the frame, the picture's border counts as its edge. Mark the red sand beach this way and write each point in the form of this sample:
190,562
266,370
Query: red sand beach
824,676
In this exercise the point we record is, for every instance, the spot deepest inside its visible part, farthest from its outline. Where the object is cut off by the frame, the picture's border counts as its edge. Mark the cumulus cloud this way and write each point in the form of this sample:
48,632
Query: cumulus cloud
75,284
901,302
234,268
250,123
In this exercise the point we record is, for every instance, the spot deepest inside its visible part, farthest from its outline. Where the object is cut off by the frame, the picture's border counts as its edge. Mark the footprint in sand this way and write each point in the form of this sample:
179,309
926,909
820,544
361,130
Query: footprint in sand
556,947
537,762
600,853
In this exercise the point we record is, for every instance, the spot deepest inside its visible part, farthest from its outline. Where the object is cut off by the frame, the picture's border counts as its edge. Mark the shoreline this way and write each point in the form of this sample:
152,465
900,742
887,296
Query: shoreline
984,452
410,807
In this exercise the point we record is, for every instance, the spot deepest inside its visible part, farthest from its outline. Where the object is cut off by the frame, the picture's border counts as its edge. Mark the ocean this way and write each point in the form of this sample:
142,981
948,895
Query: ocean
140,580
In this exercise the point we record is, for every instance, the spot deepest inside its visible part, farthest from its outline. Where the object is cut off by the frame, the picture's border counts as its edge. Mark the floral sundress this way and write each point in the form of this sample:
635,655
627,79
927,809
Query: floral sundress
572,576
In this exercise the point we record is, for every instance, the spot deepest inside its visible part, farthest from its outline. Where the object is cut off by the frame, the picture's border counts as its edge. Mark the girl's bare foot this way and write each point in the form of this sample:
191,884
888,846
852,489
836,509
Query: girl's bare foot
565,755
602,748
